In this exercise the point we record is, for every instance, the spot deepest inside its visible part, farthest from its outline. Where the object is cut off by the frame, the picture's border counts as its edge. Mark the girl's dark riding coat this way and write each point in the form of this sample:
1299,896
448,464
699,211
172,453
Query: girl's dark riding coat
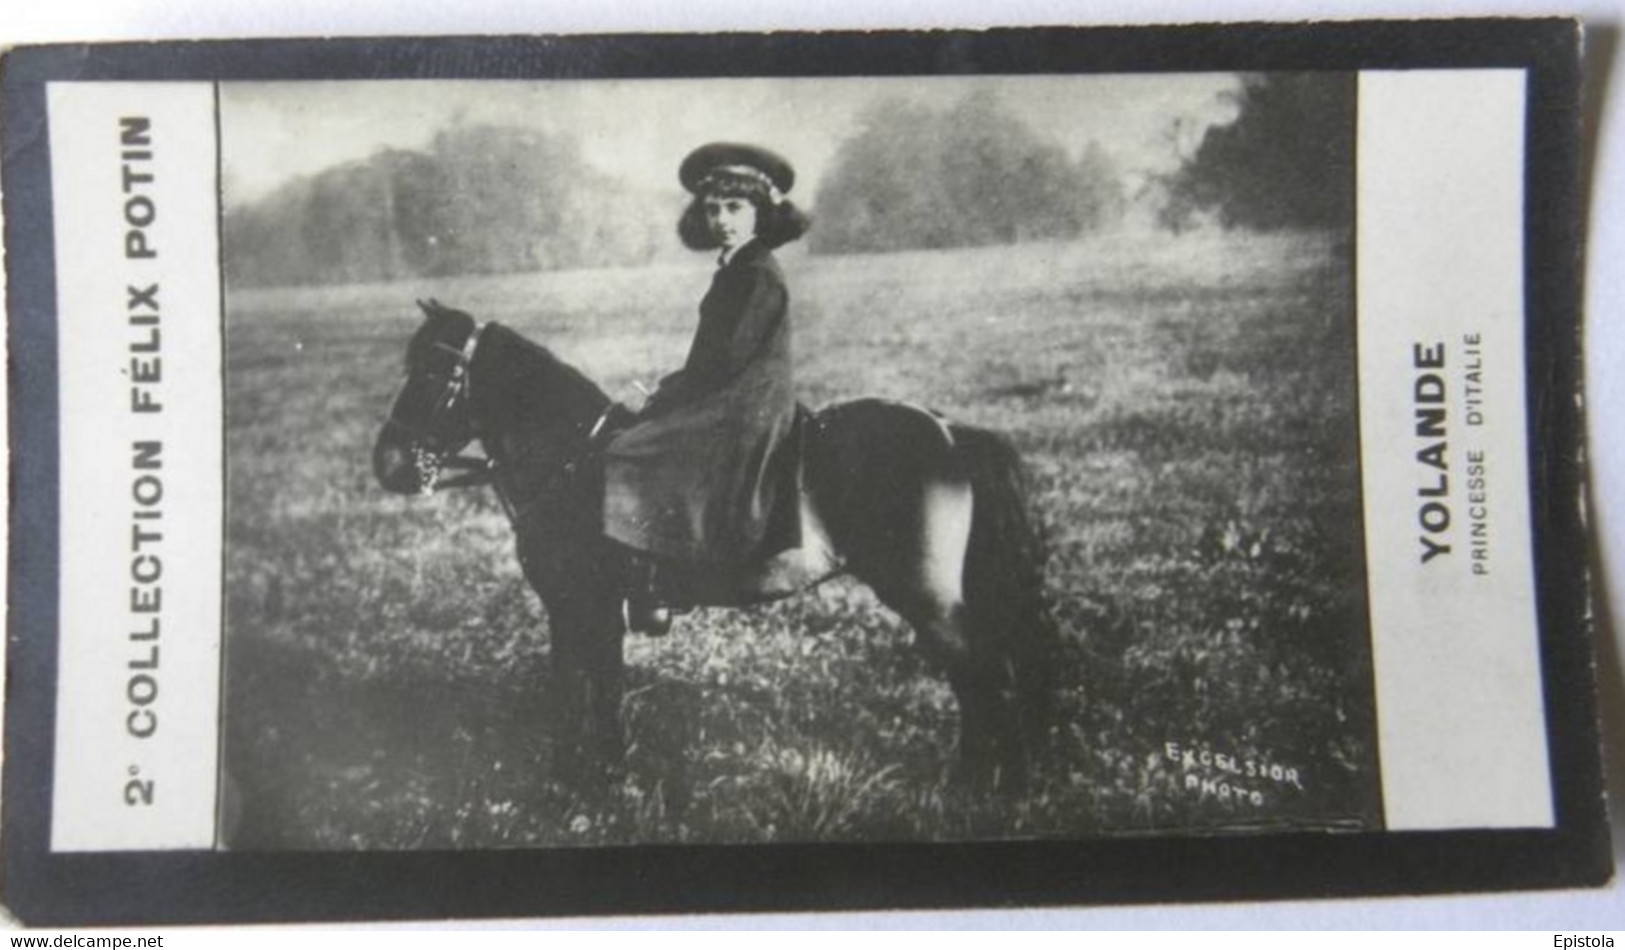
698,476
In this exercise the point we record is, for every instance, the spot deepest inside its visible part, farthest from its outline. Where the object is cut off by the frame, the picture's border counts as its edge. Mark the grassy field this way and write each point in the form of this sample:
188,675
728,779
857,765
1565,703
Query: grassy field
1186,409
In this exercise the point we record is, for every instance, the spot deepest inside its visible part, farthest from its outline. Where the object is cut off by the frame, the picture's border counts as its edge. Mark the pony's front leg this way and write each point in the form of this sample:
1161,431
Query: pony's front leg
605,664
583,611
588,674
576,572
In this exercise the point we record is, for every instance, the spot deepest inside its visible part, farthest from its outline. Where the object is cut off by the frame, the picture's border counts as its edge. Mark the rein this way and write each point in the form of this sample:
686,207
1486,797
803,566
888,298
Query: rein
475,471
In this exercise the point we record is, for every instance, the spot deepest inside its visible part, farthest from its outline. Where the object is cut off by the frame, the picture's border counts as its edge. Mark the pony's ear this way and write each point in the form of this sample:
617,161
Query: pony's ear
433,308
442,326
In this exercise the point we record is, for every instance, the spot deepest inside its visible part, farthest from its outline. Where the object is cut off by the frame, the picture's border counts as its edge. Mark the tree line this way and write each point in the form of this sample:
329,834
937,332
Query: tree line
484,199
478,200
966,176
1286,161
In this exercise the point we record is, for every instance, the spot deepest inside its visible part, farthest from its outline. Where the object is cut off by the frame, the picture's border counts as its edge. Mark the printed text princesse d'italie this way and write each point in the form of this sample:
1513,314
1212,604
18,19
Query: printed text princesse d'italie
1436,491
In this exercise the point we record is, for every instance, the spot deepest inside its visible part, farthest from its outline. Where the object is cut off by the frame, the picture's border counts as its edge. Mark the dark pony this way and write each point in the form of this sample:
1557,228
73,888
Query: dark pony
933,516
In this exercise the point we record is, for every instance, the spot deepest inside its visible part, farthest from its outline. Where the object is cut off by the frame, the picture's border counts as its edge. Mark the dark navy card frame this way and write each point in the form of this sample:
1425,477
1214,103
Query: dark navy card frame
43,888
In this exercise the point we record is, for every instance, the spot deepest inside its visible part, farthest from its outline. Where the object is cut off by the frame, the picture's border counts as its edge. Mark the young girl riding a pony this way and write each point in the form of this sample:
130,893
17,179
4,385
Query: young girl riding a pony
696,478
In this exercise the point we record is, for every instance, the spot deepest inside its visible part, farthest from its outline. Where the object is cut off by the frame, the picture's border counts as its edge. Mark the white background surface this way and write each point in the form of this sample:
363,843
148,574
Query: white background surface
83,20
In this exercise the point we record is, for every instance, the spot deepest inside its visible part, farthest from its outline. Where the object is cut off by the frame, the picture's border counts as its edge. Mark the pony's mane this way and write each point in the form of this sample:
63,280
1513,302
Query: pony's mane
522,371
535,352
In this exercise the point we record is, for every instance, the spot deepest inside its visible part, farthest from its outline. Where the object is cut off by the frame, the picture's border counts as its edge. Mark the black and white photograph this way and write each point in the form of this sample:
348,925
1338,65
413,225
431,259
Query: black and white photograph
791,460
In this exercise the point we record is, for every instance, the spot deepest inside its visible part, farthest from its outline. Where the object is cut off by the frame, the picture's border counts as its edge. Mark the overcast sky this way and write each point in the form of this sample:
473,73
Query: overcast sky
641,129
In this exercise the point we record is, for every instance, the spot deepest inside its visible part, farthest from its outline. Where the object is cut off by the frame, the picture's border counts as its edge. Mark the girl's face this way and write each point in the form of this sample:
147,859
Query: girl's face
732,220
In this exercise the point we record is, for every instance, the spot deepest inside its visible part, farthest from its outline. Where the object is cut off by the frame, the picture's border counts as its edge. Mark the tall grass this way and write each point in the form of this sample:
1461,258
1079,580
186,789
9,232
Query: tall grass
1186,408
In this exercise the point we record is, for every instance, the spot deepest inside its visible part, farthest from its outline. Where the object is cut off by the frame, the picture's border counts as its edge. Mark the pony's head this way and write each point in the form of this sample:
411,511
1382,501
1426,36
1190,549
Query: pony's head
429,421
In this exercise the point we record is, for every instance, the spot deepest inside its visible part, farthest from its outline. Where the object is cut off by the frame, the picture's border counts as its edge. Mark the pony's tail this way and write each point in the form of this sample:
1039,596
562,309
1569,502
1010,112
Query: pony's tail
1004,573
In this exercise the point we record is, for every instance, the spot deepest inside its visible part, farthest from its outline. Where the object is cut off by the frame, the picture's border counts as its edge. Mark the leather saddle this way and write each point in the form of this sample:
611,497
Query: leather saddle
794,552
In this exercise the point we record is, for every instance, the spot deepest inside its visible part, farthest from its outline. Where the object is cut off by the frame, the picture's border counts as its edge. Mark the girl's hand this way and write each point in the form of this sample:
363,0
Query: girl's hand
666,394
645,392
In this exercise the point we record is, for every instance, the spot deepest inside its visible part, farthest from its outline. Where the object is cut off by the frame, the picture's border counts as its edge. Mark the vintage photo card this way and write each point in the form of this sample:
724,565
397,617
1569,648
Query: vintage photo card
629,474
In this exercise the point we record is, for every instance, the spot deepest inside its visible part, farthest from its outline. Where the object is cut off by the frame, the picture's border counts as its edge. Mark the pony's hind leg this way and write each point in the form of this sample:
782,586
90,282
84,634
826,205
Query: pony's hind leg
921,579
902,494
944,635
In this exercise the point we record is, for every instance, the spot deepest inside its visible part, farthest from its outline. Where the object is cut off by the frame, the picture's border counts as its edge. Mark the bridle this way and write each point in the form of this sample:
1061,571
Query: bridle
431,456
425,439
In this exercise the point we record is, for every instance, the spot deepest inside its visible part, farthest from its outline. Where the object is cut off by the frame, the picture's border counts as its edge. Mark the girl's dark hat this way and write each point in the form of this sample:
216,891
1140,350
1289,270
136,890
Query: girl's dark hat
724,156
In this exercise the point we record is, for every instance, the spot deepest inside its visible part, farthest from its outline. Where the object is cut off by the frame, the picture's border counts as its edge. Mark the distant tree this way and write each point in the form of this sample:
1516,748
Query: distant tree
418,204
480,199
1101,197
261,240
349,225
875,198
1287,160
498,190
973,175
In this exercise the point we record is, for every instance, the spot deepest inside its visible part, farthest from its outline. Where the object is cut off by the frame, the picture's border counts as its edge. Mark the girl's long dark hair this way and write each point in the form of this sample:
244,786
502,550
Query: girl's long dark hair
776,224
